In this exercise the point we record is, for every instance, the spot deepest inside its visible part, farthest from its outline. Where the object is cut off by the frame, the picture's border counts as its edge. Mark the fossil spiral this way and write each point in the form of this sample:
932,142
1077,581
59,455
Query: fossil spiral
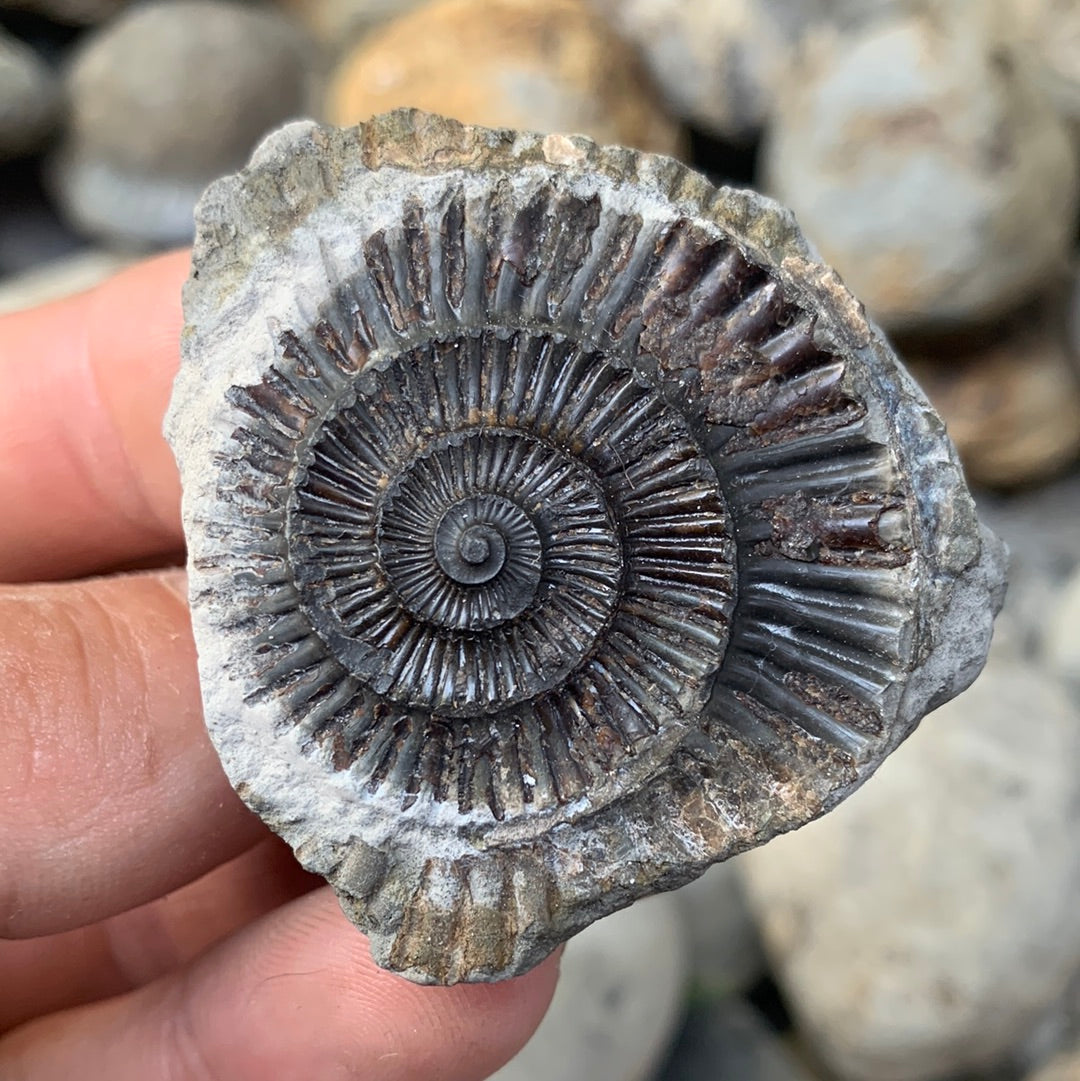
557,526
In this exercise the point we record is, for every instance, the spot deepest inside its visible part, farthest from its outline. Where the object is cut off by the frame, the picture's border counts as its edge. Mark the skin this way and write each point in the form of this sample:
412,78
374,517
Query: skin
151,928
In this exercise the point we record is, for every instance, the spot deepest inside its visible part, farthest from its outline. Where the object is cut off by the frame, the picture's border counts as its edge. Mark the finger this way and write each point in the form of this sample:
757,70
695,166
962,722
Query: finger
129,950
110,793
86,479
295,996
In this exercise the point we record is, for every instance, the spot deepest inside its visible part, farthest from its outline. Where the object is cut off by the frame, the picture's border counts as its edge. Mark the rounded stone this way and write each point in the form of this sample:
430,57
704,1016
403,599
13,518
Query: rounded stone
164,99
1049,30
716,64
920,156
71,12
727,1039
537,65
618,1002
923,929
726,955
29,98
337,25
1010,398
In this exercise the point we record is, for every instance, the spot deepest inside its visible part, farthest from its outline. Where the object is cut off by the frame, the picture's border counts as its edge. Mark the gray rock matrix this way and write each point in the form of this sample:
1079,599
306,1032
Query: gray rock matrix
557,525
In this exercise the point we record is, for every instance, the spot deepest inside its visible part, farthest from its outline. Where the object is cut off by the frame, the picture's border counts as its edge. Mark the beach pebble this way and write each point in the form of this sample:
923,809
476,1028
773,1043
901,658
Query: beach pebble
1041,527
1010,398
925,926
29,98
165,99
725,949
729,1041
537,65
1063,633
618,1002
69,12
717,64
339,24
928,166
1050,30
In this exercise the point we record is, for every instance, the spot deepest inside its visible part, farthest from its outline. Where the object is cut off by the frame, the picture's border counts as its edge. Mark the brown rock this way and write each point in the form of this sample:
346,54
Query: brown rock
537,65
1010,400
338,24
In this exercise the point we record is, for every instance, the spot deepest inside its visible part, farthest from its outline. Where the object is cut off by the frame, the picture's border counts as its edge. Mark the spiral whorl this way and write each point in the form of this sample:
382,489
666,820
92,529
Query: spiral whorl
470,545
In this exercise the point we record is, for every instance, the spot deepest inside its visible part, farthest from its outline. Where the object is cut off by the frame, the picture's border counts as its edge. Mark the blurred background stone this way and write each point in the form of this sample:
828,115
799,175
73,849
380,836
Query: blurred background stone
726,955
165,99
338,24
1063,1068
717,64
30,230
923,927
1050,30
540,65
729,1041
1009,396
1056,1047
618,1002
60,278
29,98
1041,527
927,166
1063,634
73,12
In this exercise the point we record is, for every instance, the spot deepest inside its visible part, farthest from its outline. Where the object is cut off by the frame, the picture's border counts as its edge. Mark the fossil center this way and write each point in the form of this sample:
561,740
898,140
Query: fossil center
485,519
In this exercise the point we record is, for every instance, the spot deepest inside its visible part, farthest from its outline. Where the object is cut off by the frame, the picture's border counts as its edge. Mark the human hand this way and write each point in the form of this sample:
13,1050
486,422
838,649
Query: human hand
152,927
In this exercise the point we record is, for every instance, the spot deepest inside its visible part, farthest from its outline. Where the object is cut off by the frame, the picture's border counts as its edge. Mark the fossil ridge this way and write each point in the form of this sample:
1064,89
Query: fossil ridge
557,526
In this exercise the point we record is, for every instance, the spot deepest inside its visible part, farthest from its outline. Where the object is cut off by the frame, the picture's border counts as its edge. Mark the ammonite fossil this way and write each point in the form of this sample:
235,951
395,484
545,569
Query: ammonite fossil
558,526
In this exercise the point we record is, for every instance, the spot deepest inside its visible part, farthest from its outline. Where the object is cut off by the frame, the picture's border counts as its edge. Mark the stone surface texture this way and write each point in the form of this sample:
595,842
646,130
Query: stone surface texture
29,98
618,1002
922,159
925,928
164,99
537,65
717,64
557,526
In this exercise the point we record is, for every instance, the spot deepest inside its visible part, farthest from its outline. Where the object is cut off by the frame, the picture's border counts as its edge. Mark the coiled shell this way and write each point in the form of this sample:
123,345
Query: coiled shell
558,526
